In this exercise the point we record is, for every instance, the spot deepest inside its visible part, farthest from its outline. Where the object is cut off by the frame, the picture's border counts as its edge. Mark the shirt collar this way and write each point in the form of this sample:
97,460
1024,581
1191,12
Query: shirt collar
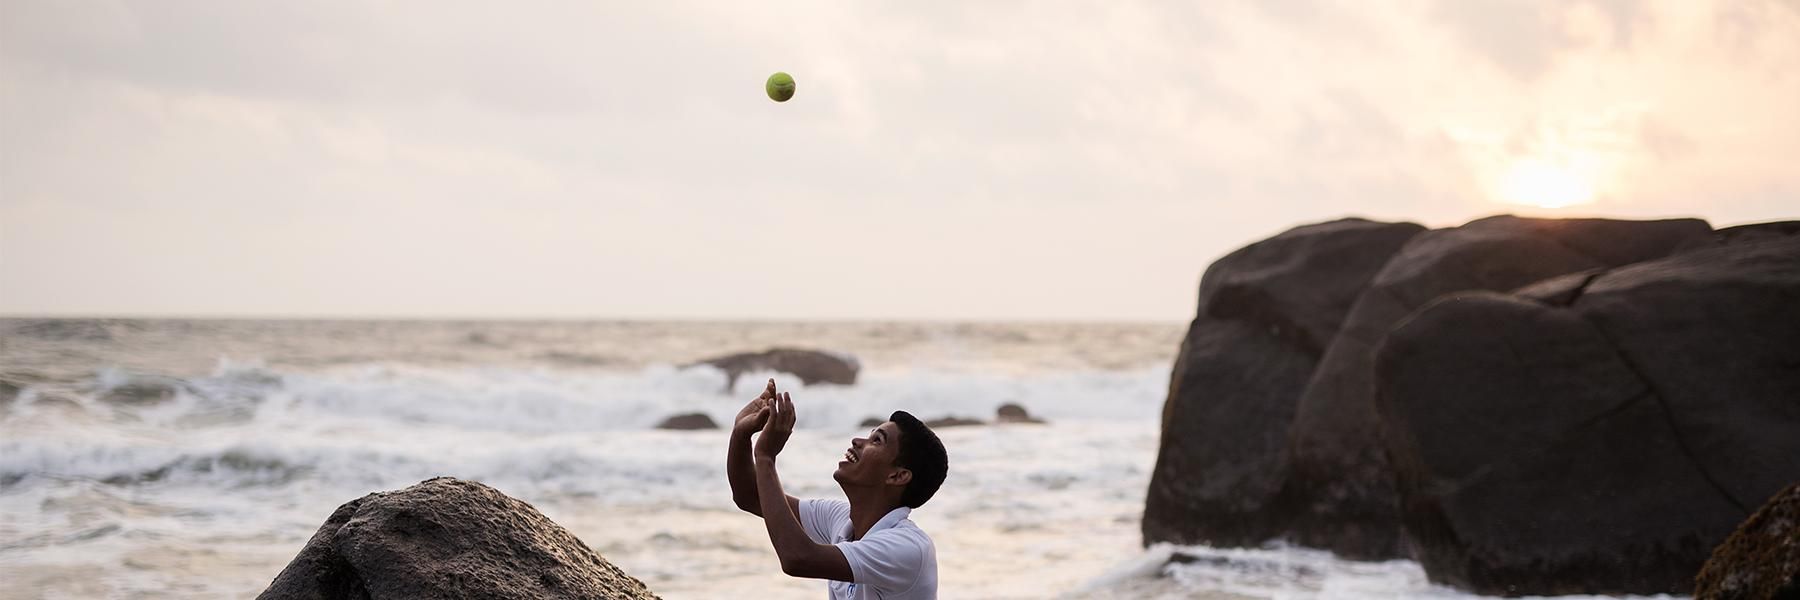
888,521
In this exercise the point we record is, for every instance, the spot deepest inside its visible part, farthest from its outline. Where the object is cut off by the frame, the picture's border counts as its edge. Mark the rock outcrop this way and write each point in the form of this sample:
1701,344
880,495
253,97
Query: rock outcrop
811,366
144,389
1526,406
1599,432
1338,479
1014,413
1761,560
950,421
447,538
1267,312
688,422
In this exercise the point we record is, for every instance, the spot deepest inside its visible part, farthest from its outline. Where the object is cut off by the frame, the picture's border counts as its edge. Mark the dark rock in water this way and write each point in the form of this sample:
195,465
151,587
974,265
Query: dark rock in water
144,390
1013,413
1267,312
1597,433
1338,480
1279,570
9,390
951,421
1761,559
447,538
811,366
688,421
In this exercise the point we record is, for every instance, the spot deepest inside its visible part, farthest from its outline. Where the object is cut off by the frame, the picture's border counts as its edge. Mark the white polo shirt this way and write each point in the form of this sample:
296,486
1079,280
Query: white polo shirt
895,560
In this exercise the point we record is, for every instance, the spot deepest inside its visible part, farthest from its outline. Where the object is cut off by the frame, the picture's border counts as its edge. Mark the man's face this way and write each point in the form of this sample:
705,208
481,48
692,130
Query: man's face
869,460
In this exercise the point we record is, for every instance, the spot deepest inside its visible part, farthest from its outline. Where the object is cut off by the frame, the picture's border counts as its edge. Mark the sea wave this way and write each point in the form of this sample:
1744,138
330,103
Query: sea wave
539,400
246,424
1166,571
134,457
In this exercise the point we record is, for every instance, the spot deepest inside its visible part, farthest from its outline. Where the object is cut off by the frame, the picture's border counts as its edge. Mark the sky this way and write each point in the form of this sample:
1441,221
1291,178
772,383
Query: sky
981,160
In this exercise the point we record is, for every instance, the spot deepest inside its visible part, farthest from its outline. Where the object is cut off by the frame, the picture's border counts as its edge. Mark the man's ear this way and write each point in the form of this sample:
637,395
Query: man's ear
899,477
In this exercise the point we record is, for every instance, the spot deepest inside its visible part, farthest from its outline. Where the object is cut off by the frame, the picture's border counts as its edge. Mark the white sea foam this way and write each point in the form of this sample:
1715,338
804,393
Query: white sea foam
93,483
1277,572
137,481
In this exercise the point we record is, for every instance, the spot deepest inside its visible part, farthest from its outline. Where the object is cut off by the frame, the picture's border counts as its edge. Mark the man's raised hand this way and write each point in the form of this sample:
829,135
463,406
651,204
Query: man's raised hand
756,413
780,425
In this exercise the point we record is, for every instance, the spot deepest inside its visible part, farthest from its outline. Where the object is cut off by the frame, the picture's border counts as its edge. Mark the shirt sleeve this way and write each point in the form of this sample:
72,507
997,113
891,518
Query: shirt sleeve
889,561
822,517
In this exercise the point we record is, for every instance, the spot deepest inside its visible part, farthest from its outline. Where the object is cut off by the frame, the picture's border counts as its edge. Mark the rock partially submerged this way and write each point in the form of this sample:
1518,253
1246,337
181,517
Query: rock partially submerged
952,421
688,421
1761,559
811,366
1598,433
1339,482
447,538
1013,413
1009,413
144,389
1527,406
1267,312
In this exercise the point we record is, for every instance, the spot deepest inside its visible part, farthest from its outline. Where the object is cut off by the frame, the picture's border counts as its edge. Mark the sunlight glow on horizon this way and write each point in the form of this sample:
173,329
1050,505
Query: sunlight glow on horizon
1543,184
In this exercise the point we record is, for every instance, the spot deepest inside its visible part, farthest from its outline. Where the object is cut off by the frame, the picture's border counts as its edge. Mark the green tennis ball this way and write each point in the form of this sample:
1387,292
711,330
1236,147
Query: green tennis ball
780,87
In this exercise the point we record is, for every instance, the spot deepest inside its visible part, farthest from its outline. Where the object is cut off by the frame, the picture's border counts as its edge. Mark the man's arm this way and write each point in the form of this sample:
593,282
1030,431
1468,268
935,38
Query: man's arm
800,556
738,467
737,456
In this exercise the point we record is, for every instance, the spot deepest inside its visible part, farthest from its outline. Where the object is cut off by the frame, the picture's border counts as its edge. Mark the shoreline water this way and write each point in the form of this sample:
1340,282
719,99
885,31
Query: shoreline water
192,459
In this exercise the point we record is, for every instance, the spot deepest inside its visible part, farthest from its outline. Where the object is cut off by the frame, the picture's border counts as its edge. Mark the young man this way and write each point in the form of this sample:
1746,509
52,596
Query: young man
866,547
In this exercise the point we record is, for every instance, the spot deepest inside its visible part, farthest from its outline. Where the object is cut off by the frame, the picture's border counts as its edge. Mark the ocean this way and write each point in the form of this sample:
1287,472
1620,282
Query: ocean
193,458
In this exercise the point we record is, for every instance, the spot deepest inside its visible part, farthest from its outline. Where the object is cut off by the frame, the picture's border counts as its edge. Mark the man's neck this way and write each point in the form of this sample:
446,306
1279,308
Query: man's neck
867,506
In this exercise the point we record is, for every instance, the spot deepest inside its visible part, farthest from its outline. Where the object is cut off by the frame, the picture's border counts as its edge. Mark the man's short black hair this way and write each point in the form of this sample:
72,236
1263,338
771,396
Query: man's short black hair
922,453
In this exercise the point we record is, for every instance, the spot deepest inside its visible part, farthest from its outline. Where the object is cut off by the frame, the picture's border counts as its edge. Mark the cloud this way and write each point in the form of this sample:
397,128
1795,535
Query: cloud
619,160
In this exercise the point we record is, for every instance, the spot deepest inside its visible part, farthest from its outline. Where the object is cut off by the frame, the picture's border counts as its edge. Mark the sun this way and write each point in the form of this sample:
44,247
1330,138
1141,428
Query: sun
1540,183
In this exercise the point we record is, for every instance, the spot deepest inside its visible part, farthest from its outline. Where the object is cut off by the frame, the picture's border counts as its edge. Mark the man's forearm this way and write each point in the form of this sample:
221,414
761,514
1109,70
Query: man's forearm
791,544
742,473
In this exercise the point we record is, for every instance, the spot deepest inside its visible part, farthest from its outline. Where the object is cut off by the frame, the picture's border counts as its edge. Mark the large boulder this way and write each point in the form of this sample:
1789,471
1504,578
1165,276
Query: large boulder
688,422
811,366
949,421
1014,413
144,389
1754,232
447,538
1338,481
1760,560
1267,312
1598,432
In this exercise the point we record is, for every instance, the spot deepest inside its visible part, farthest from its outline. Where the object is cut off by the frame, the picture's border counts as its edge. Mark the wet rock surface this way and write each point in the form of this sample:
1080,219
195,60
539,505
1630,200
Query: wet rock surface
1761,559
1599,442
1267,312
447,538
1526,406
1339,483
688,421
1014,413
811,366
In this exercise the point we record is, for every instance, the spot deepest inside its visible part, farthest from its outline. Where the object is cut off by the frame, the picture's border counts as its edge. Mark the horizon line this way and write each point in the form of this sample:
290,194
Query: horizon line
8,315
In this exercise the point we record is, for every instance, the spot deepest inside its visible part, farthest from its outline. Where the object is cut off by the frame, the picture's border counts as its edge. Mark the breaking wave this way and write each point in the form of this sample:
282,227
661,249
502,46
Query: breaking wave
247,425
